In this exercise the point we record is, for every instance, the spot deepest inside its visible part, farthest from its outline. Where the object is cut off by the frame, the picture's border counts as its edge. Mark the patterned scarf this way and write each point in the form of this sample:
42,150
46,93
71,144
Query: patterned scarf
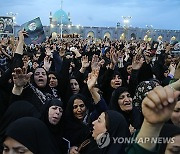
43,97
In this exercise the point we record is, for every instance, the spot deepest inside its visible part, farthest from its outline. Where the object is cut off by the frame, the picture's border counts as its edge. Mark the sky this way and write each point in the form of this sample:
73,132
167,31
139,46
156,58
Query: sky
161,14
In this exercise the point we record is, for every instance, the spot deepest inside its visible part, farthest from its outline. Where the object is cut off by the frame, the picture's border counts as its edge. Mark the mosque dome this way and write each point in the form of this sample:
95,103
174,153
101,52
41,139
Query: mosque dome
56,19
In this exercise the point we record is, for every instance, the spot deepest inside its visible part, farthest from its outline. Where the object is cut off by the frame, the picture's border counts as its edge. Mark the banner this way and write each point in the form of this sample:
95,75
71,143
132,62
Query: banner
6,25
35,31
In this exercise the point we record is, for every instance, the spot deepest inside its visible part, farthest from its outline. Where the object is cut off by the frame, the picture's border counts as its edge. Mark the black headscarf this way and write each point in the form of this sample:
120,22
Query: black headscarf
124,82
117,128
168,131
75,130
38,95
35,85
15,111
33,134
55,129
132,117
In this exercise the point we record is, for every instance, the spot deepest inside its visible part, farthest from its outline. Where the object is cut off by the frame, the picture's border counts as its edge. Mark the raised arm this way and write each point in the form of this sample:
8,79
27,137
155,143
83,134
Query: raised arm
20,78
157,108
19,48
92,79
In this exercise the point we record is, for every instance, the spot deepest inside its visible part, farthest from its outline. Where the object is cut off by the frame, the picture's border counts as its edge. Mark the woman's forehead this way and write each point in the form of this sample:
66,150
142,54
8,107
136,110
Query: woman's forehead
40,70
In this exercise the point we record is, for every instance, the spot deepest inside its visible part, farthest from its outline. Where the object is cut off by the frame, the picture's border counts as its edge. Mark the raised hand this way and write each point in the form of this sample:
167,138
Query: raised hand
158,105
92,78
85,62
75,51
137,62
95,65
113,56
47,63
20,77
19,48
21,35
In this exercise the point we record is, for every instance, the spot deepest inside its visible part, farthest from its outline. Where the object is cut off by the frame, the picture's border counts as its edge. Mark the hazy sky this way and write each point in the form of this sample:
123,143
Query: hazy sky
162,14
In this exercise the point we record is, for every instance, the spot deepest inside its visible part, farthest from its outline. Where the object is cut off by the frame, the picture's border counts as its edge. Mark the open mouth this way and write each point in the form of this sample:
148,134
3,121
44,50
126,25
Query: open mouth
74,91
127,103
40,80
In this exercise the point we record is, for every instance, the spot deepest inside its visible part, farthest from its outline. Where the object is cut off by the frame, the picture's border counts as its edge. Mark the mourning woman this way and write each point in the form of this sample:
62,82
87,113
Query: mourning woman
112,124
37,91
79,115
121,101
52,116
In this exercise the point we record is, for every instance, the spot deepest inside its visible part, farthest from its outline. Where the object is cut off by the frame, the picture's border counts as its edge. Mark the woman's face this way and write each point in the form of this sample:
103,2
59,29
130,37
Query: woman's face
173,147
99,126
74,86
175,117
55,113
116,82
129,69
79,109
11,146
53,82
125,102
40,77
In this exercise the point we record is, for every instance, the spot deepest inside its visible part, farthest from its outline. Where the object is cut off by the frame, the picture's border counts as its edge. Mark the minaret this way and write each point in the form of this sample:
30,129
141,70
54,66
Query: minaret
61,4
50,18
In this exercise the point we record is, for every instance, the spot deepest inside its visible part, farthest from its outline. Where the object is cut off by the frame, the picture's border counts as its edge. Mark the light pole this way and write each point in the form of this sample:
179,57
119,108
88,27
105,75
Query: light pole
126,21
61,27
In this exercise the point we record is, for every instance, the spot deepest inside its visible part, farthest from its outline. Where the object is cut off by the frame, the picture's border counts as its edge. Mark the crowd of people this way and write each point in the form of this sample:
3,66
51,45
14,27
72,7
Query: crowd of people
72,95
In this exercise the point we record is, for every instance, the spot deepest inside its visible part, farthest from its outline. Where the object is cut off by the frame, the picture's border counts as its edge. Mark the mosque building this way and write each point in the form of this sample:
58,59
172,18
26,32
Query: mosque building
60,24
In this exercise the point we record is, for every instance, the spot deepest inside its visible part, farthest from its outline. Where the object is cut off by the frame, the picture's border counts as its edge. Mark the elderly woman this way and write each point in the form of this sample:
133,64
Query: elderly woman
121,101
52,116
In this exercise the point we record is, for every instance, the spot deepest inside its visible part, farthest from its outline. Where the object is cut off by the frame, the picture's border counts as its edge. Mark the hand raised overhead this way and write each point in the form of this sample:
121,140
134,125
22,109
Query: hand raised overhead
158,105
20,77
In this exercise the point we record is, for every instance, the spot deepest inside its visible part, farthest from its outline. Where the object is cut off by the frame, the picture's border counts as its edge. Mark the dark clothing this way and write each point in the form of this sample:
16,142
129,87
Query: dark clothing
145,72
15,111
117,128
75,130
36,97
55,130
132,117
37,140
